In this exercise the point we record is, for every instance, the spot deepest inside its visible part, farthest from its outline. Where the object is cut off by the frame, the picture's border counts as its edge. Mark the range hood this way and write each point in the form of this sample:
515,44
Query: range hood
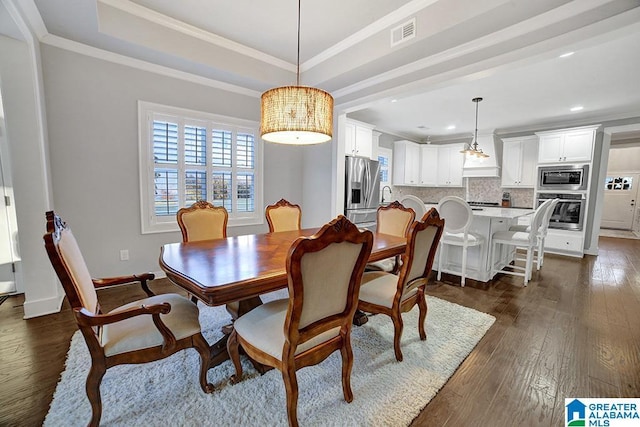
488,166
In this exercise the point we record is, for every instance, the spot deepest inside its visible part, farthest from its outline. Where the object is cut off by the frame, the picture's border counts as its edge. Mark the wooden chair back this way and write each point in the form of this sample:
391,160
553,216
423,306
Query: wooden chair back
422,243
395,219
203,221
324,273
69,265
283,216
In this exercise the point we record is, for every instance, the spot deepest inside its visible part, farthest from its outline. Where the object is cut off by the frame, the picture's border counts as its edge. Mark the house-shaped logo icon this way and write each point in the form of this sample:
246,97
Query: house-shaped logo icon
576,413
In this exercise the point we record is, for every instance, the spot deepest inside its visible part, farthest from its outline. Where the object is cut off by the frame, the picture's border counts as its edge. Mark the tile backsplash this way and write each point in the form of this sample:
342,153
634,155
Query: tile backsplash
477,190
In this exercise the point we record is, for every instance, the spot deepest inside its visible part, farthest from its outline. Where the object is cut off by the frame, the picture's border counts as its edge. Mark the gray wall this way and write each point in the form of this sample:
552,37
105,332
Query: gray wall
92,119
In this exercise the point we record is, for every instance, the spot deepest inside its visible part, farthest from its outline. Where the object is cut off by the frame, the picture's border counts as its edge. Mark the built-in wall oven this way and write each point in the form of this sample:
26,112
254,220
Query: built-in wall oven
563,178
569,212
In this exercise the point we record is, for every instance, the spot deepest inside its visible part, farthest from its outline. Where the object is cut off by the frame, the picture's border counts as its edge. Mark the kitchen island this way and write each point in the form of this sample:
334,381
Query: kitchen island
486,221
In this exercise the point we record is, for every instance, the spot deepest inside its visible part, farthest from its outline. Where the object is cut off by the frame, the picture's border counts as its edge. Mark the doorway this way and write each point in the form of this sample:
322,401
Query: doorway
7,218
620,197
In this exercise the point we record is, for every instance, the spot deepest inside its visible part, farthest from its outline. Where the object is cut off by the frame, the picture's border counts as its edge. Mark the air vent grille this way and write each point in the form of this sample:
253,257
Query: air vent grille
404,32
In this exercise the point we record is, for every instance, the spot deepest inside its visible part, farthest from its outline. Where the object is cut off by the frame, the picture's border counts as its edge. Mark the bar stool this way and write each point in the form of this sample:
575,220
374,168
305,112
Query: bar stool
526,240
413,202
457,216
549,206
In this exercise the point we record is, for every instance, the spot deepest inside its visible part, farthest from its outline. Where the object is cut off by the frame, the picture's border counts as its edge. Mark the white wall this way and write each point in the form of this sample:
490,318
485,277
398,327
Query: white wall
20,84
624,158
93,135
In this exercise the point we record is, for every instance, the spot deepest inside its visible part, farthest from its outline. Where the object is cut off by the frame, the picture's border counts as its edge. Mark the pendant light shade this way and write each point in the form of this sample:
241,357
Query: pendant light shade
472,150
298,115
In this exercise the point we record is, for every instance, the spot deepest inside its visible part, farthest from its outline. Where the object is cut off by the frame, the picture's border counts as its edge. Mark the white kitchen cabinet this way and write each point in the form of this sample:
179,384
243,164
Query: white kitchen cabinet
428,165
406,163
519,161
358,139
567,145
564,242
450,162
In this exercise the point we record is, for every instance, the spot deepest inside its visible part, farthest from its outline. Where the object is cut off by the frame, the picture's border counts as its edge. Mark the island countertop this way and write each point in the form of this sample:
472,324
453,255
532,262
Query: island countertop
494,212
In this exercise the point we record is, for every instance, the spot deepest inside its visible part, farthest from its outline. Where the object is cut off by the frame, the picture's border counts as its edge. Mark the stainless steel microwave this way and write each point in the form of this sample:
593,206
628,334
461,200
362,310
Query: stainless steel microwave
563,178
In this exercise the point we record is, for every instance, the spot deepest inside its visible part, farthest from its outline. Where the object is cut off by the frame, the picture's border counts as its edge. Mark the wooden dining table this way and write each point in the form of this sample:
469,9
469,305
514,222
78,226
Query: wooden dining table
235,271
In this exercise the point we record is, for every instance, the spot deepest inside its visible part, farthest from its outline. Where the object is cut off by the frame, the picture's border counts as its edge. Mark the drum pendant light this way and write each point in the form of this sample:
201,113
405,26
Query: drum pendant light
297,115
472,149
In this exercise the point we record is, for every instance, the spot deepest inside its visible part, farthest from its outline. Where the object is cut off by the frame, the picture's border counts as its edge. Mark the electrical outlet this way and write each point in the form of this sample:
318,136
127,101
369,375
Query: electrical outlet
124,254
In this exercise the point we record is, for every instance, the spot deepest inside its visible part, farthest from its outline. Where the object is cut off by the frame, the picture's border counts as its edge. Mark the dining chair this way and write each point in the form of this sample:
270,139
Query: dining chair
202,221
390,294
283,216
393,219
549,207
525,240
138,332
323,275
414,202
458,217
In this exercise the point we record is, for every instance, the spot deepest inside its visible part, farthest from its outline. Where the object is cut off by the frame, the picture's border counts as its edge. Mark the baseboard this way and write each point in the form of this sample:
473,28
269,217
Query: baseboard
42,307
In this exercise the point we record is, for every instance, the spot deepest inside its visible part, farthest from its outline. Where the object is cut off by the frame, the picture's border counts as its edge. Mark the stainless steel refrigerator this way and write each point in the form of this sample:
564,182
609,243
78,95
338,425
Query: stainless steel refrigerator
362,191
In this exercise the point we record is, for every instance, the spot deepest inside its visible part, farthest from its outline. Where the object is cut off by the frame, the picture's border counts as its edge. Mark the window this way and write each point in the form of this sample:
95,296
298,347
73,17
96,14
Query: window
186,156
385,159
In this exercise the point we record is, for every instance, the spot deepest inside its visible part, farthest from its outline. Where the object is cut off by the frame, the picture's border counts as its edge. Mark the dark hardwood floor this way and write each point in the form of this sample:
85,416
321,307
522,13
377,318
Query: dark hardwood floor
573,332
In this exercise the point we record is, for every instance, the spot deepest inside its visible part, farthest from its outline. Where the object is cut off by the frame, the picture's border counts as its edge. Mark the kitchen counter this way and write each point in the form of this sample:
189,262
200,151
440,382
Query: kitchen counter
493,212
486,221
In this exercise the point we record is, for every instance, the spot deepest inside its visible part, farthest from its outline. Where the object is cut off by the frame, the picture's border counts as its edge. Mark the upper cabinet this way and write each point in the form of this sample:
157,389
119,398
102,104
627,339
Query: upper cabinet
358,139
519,161
567,145
450,162
406,163
428,165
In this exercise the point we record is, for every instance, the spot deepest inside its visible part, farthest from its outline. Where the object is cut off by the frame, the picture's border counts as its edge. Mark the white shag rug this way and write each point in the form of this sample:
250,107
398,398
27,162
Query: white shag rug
386,392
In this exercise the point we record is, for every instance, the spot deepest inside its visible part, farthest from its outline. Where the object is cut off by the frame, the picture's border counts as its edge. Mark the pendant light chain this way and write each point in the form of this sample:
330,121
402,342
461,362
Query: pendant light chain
298,62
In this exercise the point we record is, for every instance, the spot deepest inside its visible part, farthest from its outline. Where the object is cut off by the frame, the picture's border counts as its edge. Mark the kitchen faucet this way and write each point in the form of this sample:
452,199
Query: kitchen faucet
390,192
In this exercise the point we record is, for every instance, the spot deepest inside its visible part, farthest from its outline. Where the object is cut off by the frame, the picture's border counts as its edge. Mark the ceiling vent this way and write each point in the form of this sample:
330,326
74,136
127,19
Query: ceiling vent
404,32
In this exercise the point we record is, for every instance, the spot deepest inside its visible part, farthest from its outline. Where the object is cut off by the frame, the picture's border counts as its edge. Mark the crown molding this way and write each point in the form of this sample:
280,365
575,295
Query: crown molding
192,31
116,58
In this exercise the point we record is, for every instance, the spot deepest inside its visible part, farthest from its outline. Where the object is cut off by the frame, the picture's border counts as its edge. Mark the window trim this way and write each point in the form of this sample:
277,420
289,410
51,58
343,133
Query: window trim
150,223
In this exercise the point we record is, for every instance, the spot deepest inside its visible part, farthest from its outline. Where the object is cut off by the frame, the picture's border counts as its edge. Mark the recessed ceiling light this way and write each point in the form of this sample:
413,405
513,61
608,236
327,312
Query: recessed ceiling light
577,108
566,55
451,127
394,100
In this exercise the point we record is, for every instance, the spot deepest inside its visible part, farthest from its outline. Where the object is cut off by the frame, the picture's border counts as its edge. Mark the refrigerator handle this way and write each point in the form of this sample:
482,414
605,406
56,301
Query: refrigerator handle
365,184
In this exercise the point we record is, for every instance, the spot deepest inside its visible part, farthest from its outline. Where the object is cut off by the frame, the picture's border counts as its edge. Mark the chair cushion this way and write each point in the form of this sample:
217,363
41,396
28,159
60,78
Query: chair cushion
382,265
379,287
263,328
457,239
511,237
140,332
520,227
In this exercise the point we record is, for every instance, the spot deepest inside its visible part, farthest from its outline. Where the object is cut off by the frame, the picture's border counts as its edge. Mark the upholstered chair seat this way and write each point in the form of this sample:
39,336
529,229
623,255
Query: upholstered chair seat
380,288
139,332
